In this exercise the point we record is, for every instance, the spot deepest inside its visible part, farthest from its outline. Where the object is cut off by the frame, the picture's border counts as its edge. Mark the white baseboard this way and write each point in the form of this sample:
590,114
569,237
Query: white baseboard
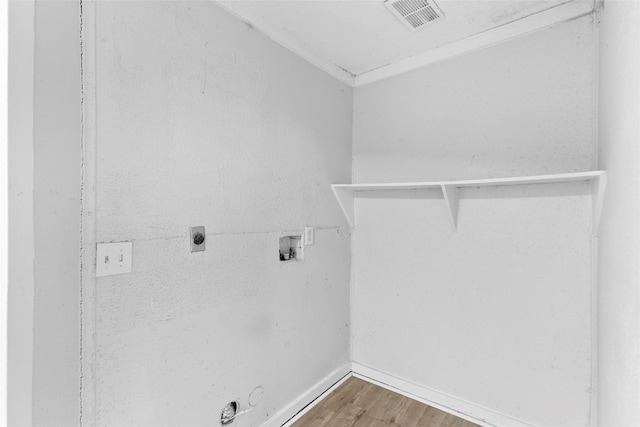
317,400
461,408
309,398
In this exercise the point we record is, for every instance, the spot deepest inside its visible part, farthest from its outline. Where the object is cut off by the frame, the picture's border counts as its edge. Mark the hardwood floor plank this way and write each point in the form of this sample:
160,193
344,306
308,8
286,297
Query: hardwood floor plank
411,413
359,403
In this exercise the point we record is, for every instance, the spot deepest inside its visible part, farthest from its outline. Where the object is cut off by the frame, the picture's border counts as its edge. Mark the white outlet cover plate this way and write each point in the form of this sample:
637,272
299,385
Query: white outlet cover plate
113,258
309,235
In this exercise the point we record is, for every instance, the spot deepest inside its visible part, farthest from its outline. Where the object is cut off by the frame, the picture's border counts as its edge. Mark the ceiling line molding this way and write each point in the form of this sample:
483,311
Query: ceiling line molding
538,21
529,24
291,44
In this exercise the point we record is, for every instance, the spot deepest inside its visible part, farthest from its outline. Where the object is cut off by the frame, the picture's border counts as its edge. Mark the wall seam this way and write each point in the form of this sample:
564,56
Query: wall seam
593,404
87,233
352,229
82,193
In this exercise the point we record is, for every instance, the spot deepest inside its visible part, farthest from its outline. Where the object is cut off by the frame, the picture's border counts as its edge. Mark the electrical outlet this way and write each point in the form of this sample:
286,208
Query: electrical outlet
113,258
309,235
197,236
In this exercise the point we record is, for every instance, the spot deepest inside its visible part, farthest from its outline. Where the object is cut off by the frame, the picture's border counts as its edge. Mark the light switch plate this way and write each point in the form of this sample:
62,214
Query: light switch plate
309,235
113,258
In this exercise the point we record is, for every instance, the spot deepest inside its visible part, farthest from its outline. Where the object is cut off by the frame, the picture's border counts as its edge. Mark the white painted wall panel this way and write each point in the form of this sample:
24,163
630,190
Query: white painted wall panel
618,244
204,121
228,320
520,108
57,209
245,125
499,313
20,236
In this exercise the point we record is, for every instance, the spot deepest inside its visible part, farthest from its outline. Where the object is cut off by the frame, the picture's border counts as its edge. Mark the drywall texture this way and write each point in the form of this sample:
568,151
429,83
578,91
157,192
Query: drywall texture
56,180
497,314
618,244
204,121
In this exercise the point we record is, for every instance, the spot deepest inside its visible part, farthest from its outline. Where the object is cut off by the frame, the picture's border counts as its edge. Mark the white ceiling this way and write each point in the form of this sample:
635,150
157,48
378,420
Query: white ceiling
359,41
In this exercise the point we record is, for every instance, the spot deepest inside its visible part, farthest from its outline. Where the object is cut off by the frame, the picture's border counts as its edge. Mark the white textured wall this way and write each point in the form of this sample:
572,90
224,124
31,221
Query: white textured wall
521,108
499,313
202,120
619,248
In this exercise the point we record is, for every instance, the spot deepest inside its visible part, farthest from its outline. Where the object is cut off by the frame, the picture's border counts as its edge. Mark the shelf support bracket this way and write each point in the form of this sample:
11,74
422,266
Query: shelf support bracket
599,185
345,199
452,199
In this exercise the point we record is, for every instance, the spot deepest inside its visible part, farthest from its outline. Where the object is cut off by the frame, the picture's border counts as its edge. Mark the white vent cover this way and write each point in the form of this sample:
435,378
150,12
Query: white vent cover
415,14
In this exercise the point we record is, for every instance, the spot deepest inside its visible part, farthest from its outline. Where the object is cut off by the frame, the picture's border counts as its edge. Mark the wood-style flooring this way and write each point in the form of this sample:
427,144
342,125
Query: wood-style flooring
358,403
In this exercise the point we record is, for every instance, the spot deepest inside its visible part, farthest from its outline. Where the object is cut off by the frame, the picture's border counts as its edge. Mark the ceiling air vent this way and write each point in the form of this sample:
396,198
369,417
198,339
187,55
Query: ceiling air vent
415,14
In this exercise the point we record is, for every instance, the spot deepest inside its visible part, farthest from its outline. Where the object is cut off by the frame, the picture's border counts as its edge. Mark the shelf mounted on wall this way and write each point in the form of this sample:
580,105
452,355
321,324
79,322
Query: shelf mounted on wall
345,193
